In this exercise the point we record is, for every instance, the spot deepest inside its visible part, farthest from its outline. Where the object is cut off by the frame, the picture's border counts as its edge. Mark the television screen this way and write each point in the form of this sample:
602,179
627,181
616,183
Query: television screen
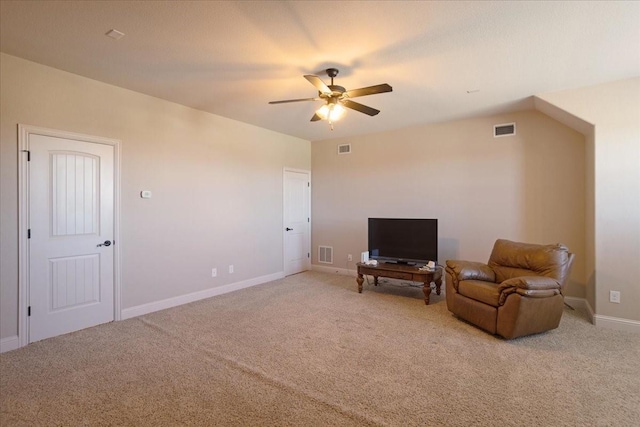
403,240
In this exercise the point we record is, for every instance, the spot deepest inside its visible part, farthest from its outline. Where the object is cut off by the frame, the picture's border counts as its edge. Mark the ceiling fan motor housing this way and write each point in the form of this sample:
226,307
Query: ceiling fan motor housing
332,72
336,90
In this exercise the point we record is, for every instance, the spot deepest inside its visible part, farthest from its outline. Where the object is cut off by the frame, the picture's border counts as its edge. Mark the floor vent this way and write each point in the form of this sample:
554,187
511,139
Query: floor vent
344,149
506,129
325,254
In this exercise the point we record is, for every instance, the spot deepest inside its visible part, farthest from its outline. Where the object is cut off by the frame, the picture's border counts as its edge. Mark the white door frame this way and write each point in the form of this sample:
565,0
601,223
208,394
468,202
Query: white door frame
24,131
284,245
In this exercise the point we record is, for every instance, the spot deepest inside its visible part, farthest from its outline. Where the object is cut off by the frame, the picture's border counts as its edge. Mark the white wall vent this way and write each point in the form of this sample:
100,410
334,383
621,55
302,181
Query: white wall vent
325,254
344,149
506,129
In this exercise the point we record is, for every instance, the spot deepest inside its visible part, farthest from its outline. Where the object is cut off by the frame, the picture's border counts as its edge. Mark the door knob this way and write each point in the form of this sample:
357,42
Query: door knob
289,229
106,243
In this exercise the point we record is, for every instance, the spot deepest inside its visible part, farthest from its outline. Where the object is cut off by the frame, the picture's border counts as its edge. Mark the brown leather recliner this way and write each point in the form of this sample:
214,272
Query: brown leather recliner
519,291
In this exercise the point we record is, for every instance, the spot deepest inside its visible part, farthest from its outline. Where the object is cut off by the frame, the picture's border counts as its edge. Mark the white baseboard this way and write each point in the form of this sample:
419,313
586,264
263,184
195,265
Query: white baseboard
576,302
590,311
9,343
599,320
334,270
617,323
143,309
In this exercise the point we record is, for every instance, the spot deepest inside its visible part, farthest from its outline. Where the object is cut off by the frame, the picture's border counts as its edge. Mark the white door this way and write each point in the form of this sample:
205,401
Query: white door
71,247
297,222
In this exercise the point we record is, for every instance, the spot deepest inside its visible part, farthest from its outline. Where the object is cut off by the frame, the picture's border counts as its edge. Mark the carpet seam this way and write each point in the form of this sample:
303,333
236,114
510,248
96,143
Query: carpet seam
280,384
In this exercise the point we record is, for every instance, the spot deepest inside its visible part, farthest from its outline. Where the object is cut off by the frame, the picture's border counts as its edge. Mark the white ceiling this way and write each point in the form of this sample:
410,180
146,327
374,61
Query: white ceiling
231,58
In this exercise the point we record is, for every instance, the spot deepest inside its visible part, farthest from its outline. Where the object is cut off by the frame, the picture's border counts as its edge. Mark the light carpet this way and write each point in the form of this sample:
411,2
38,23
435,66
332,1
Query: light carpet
308,350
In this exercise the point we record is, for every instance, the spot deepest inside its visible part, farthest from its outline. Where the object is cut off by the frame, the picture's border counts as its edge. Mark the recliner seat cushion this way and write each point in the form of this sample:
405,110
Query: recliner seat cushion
486,292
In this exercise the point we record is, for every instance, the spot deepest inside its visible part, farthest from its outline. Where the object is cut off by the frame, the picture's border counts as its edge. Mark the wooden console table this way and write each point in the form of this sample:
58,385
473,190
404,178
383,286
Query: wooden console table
403,272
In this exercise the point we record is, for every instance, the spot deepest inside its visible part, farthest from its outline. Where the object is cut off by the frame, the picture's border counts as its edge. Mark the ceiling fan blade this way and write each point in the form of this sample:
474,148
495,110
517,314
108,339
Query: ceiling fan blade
294,100
318,83
359,107
371,90
315,118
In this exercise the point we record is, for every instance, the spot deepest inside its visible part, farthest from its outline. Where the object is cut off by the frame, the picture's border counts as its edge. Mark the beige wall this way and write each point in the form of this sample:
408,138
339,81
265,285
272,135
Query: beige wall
529,187
588,130
217,186
614,110
216,183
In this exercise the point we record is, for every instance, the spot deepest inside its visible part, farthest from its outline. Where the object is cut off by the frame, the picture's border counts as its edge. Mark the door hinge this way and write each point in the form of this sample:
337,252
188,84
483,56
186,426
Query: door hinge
28,233
28,155
29,311
308,256
308,220
308,184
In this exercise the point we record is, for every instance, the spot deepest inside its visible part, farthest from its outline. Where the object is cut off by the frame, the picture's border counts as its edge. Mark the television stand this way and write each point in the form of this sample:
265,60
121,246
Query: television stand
403,272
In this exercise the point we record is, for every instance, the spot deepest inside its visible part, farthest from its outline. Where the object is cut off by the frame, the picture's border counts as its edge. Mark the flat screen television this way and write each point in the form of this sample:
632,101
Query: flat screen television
403,240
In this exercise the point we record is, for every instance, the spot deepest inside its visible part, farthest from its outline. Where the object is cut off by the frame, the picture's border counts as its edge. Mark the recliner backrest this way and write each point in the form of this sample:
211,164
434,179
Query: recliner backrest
513,259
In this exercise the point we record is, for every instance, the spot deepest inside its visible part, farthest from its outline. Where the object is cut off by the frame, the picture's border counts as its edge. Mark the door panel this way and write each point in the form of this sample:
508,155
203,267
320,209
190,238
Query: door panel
74,193
74,281
71,211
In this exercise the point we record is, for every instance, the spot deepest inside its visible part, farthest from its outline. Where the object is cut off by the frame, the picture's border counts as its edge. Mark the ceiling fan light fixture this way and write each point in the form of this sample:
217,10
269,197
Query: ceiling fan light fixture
331,112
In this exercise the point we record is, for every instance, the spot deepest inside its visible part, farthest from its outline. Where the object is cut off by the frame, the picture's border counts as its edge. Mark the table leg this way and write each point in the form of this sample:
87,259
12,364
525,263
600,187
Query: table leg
427,291
438,282
360,280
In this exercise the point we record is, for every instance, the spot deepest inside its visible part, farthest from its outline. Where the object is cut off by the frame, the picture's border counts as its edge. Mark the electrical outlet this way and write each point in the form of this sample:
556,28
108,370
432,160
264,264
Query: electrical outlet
614,296
349,257
214,272
231,269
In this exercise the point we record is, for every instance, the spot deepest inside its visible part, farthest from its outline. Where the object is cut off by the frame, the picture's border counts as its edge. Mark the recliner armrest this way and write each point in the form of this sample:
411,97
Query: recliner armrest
470,270
529,286
532,283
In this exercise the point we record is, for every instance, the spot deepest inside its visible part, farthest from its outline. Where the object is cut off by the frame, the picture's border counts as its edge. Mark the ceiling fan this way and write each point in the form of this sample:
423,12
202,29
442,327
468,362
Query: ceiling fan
337,97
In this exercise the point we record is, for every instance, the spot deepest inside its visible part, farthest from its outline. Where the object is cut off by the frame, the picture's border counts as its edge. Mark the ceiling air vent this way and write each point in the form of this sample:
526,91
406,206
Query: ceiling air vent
344,149
325,254
114,34
506,129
